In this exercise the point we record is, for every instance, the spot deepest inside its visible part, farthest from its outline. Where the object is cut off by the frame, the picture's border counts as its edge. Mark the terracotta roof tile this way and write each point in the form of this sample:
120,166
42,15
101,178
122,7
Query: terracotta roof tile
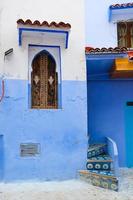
124,5
91,50
44,23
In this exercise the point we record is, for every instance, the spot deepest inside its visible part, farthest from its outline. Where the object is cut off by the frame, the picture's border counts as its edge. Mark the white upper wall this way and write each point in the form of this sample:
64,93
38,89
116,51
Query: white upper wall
99,32
71,11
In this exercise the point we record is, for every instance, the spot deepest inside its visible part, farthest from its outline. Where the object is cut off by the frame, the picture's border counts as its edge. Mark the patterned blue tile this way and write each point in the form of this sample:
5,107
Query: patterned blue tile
95,150
99,168
101,162
108,173
100,180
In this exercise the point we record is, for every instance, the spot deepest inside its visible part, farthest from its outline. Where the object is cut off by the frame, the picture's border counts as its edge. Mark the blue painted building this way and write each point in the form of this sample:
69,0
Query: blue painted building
43,115
108,110
109,75
52,96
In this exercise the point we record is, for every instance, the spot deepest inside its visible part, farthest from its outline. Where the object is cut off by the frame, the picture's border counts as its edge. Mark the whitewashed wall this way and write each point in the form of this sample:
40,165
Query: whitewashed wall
16,65
99,32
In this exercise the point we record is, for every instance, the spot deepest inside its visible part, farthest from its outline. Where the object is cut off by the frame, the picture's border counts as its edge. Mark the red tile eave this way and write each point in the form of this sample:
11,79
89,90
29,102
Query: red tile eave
123,5
36,23
91,50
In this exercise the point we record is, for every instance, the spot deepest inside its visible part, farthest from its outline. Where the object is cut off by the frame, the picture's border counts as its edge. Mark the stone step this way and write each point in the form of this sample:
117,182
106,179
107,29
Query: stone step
101,162
103,172
109,181
95,150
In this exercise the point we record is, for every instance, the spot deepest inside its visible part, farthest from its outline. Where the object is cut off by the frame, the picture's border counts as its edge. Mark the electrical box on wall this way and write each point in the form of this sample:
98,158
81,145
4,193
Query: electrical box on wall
29,149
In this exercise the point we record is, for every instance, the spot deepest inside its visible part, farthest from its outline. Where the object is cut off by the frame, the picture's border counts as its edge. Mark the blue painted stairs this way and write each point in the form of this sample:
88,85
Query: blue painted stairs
99,168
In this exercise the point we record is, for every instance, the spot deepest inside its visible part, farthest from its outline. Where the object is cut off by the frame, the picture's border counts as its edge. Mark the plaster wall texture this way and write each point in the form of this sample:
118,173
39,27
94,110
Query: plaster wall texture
107,112
15,66
99,31
62,133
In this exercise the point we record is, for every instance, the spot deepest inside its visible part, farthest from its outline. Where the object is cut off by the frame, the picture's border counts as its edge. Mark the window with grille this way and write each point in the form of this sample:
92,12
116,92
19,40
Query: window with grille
125,34
44,82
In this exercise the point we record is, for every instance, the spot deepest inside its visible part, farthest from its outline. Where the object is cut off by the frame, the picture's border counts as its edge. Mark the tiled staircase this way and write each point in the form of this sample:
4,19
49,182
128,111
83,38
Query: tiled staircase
100,169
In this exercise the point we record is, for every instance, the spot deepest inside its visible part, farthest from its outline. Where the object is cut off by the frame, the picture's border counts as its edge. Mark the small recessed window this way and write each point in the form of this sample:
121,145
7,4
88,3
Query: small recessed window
125,34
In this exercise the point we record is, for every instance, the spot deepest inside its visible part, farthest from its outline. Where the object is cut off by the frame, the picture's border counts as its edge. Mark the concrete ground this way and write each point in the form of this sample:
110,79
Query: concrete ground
67,190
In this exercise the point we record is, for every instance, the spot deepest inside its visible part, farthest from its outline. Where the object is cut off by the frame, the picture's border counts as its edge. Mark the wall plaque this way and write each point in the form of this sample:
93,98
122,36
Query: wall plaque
29,149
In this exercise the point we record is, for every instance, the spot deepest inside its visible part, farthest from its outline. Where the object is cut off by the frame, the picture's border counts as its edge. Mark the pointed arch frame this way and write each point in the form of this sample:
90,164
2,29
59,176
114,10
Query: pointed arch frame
57,59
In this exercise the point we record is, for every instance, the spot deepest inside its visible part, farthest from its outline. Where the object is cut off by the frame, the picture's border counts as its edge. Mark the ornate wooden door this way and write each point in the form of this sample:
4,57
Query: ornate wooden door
44,81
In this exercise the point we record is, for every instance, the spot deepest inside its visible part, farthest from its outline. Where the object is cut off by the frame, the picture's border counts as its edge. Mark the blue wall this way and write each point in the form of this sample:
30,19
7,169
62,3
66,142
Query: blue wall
129,134
62,133
1,158
106,108
107,100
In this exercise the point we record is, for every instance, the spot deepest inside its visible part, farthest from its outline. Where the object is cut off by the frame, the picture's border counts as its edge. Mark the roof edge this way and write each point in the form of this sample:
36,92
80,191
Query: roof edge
103,50
52,24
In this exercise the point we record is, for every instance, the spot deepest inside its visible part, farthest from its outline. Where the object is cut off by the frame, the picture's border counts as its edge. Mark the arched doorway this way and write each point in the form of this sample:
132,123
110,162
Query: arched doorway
44,82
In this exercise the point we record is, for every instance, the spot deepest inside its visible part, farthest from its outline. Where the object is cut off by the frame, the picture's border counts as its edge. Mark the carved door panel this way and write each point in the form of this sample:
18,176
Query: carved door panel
52,85
44,80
